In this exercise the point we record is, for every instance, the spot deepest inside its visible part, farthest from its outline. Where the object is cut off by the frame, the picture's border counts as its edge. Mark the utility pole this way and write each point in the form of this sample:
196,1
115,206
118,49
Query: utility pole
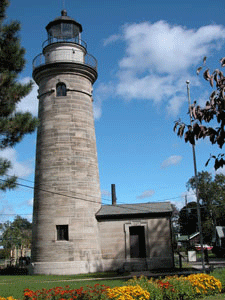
187,216
196,184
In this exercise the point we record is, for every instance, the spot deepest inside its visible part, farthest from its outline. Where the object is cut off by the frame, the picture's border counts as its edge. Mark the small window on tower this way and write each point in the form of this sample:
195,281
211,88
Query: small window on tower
60,89
62,232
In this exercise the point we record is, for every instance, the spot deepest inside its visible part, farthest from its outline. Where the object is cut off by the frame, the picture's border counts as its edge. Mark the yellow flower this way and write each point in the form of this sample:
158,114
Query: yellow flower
205,284
128,293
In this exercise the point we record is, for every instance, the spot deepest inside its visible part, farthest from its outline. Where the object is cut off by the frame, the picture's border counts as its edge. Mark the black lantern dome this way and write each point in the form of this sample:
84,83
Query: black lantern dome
63,28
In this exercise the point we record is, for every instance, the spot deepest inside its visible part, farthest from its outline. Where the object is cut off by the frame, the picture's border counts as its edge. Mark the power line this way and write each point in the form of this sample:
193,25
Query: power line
73,197
109,200
65,191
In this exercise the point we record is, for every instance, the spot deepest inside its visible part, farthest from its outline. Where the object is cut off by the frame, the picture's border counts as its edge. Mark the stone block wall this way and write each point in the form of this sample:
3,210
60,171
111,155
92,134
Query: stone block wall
115,242
67,190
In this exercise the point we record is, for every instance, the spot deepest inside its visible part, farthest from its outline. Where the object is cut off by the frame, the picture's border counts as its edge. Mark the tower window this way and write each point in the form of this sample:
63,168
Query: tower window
60,89
62,232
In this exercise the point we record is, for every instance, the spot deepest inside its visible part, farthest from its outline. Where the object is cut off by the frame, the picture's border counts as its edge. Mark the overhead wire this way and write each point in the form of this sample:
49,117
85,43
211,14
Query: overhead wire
109,200
87,200
78,198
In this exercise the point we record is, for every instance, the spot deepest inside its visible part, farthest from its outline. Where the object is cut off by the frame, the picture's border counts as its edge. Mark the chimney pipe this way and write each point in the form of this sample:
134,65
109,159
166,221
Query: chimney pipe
113,190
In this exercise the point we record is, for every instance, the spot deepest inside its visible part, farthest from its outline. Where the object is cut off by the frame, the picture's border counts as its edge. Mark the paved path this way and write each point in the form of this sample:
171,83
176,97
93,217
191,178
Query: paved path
214,263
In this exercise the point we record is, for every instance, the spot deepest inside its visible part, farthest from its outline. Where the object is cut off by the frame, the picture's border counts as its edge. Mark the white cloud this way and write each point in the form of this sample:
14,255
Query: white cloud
158,58
171,161
105,193
166,48
7,210
30,102
180,202
146,194
191,196
220,170
101,93
20,169
30,202
112,39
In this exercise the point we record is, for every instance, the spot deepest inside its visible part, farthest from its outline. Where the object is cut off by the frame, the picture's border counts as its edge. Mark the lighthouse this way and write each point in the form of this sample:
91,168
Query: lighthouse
65,237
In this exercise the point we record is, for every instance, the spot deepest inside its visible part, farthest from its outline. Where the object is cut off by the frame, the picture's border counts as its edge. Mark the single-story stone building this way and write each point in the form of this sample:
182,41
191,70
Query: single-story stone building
136,236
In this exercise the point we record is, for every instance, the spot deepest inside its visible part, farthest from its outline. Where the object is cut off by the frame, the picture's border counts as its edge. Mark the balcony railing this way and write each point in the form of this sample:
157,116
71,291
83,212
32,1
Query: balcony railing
75,40
67,56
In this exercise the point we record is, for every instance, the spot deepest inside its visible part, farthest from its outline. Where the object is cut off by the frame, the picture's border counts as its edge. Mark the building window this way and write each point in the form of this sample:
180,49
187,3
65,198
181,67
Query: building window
62,232
60,89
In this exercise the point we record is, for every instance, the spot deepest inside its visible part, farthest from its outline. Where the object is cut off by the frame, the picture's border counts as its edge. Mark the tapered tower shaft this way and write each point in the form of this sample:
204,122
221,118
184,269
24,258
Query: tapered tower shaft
67,190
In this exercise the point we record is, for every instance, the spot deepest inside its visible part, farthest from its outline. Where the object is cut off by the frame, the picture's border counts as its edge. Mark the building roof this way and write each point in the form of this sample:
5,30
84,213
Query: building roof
120,210
63,19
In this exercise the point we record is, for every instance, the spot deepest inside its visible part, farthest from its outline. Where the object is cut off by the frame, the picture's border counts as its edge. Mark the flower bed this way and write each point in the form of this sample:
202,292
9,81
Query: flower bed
8,298
60,293
169,288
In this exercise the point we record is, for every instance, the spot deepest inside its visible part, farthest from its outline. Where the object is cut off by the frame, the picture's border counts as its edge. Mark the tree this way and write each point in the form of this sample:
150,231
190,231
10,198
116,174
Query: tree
188,219
201,116
13,125
16,234
175,218
212,201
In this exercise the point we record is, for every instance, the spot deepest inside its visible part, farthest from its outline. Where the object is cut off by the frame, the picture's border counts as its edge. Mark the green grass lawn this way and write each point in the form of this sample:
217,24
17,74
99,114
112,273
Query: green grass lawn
14,285
216,297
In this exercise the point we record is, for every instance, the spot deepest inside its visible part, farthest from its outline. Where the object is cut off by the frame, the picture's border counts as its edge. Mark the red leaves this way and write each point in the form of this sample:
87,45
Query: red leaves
214,109
198,70
222,62
219,161
206,75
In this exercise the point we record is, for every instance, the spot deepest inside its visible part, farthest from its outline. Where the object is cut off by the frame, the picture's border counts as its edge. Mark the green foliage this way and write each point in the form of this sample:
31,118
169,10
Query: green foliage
13,125
148,285
176,288
14,285
16,234
214,109
204,284
220,275
188,219
212,205
9,182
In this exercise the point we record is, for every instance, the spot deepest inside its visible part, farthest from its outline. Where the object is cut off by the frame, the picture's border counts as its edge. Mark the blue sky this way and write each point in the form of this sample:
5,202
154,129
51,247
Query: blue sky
146,50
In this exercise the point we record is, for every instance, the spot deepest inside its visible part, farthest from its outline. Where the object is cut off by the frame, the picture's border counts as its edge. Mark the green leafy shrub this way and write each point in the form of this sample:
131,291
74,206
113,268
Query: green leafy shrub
148,285
176,288
205,284
8,298
220,275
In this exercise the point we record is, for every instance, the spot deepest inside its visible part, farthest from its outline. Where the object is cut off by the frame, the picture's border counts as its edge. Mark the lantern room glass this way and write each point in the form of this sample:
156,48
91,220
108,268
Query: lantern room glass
64,31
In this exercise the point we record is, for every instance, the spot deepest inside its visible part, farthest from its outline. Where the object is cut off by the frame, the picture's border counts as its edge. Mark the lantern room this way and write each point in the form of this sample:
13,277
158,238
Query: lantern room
64,28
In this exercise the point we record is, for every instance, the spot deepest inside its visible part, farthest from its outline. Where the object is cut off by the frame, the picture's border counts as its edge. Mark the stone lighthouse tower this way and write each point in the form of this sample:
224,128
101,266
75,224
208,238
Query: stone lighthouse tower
67,190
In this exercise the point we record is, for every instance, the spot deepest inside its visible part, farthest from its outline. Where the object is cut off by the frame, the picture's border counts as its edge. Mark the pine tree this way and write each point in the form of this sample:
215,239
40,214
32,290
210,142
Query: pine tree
13,125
